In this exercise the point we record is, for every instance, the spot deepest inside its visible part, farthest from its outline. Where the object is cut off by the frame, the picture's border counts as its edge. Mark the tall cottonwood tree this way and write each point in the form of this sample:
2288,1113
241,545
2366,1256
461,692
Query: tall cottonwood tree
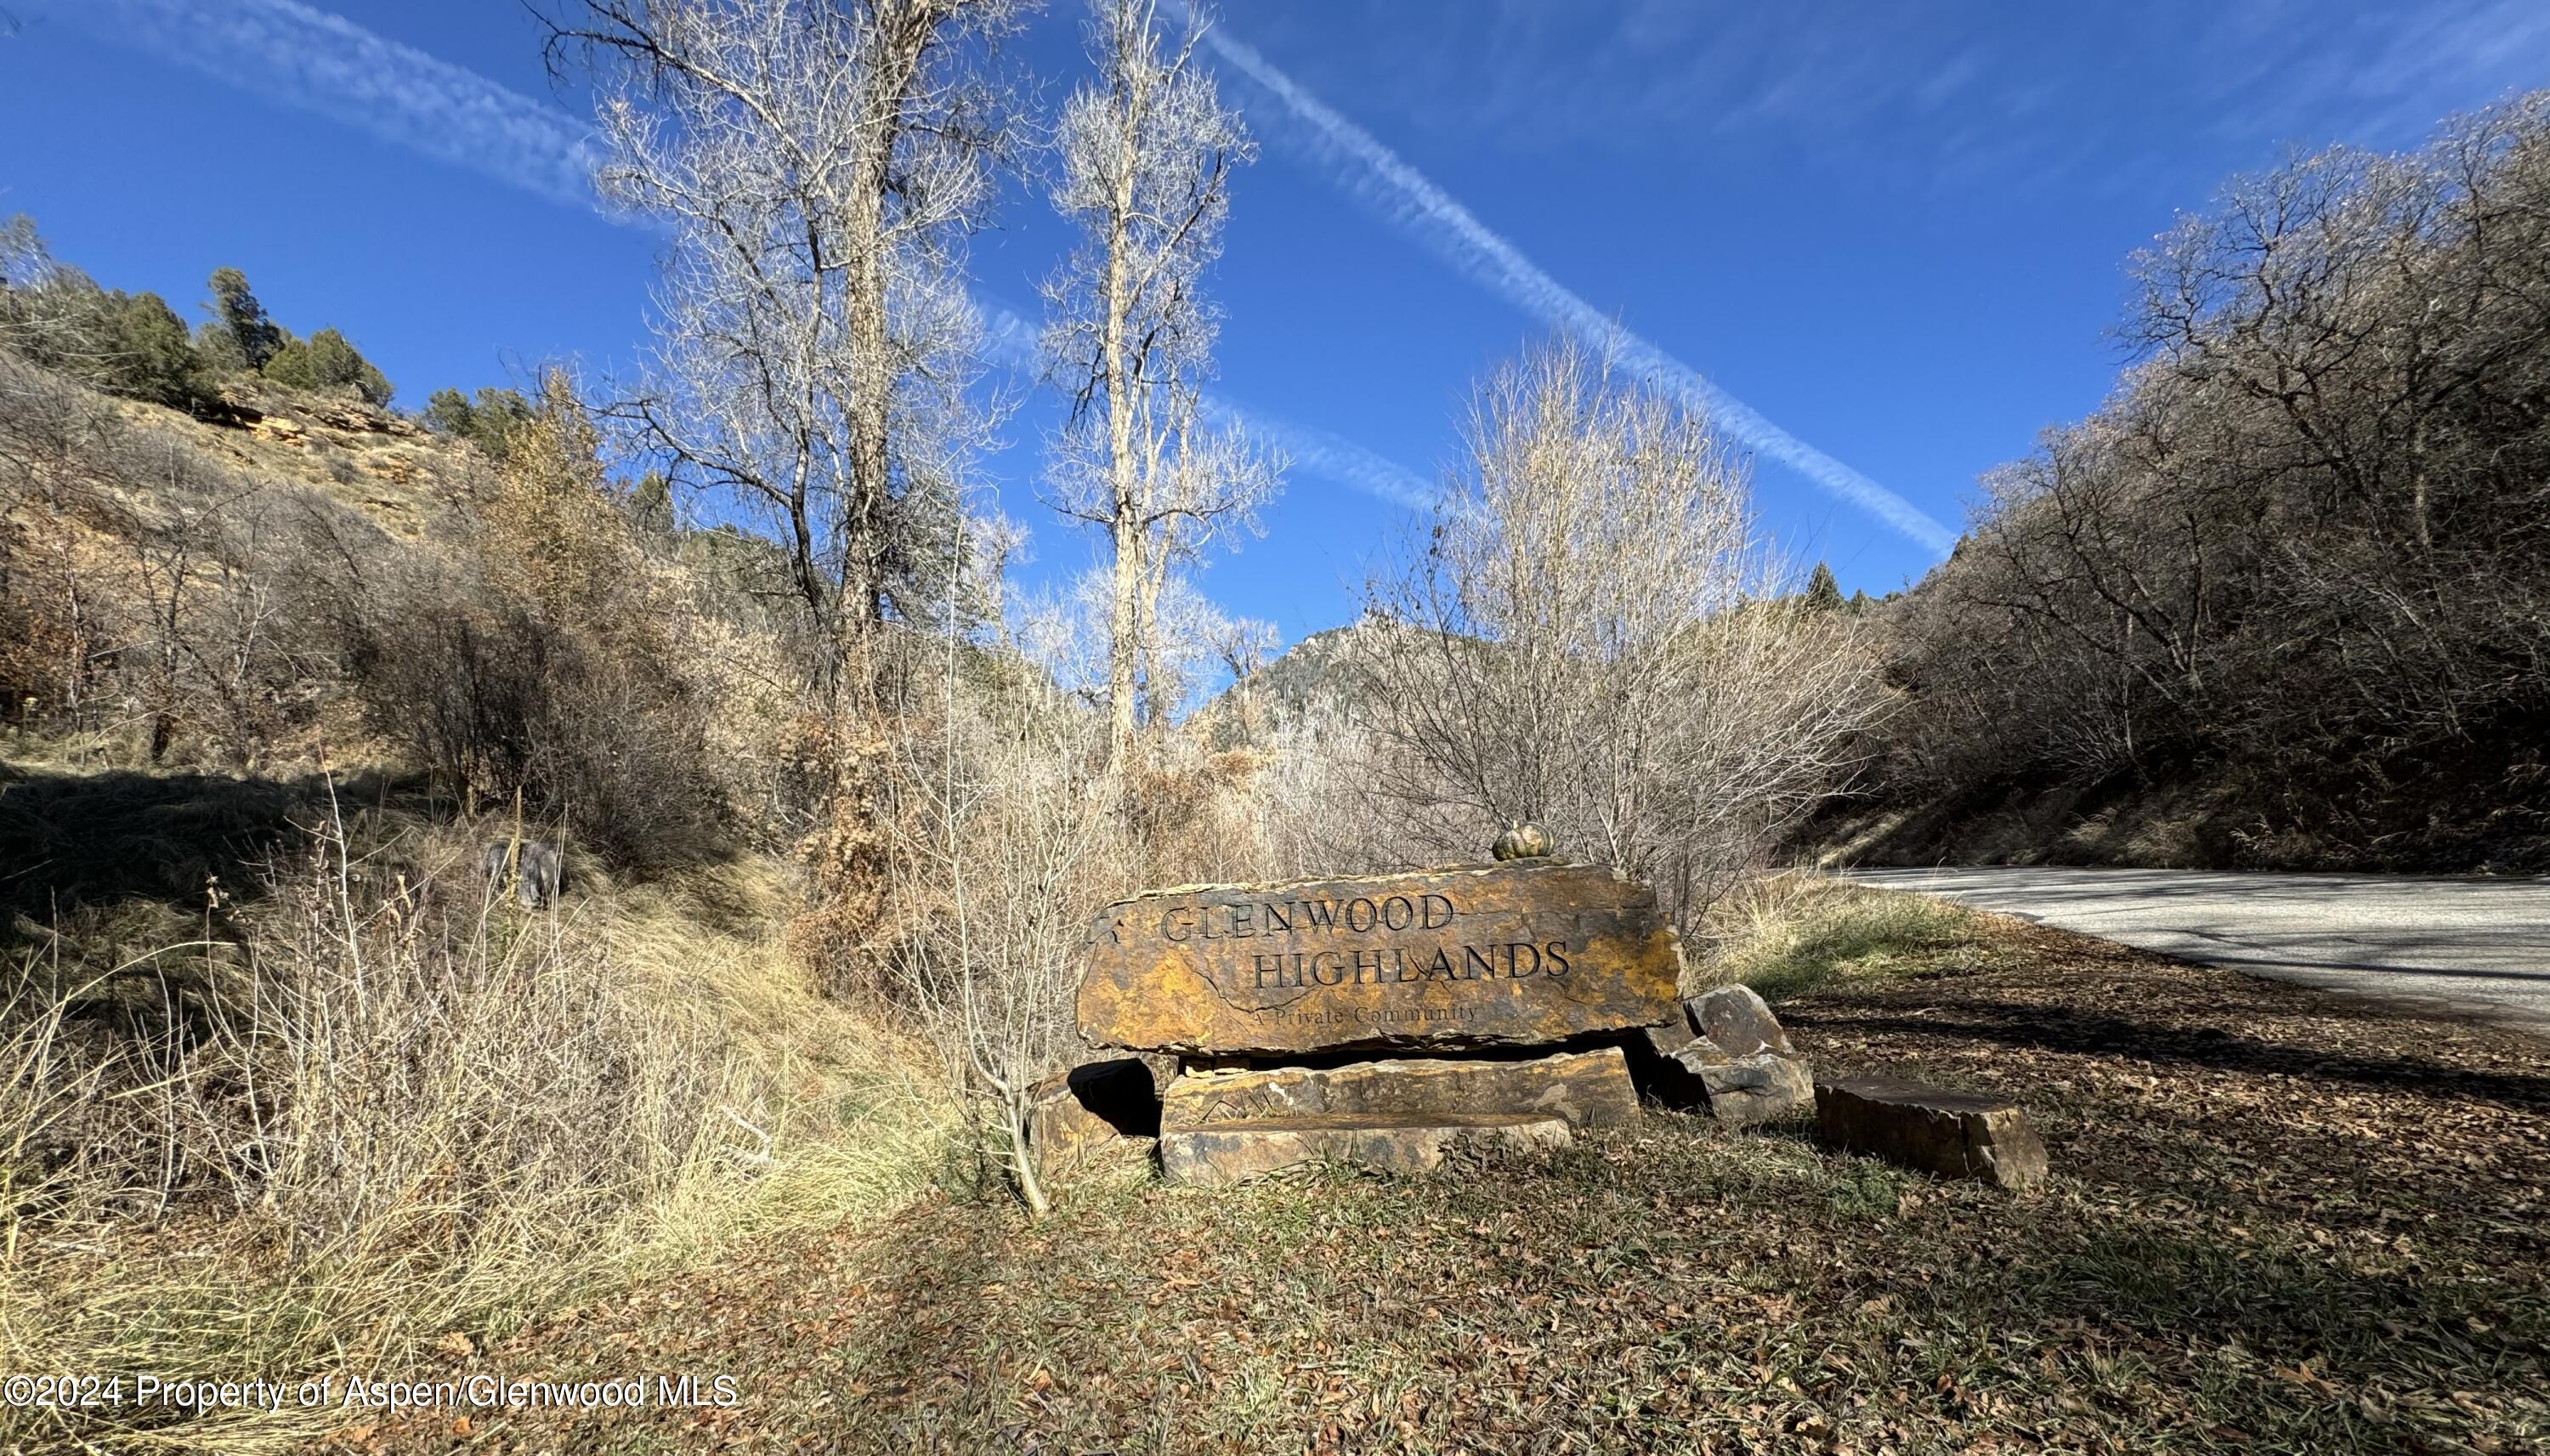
819,164
1144,153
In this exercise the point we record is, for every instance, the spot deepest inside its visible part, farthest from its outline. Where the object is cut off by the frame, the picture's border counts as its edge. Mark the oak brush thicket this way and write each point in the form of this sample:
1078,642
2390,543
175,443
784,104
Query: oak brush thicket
2284,594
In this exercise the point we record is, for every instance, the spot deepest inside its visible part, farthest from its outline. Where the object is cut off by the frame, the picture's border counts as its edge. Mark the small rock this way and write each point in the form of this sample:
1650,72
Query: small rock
1738,1020
1231,1152
1744,1091
1955,1134
1729,1055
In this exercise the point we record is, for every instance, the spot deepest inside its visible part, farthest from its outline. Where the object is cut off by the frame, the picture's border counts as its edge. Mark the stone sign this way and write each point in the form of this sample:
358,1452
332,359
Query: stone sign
1519,954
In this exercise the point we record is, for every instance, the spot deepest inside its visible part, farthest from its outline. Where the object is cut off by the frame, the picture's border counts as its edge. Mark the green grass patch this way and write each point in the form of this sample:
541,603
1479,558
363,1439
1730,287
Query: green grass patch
1795,933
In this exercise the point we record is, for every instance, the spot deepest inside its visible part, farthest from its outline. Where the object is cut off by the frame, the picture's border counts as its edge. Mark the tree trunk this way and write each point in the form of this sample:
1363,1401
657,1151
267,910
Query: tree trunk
1126,519
1031,1192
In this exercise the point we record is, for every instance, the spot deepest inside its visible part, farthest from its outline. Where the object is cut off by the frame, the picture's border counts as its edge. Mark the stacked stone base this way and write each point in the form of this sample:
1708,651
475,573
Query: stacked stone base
1396,1116
1384,1142
1228,1121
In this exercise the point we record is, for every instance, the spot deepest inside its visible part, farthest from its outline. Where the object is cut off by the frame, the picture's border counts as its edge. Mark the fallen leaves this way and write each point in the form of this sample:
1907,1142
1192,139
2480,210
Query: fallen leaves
2224,1260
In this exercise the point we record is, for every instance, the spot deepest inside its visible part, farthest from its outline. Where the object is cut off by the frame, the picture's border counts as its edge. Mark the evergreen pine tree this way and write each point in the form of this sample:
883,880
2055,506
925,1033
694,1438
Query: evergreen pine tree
237,311
326,361
1824,594
144,354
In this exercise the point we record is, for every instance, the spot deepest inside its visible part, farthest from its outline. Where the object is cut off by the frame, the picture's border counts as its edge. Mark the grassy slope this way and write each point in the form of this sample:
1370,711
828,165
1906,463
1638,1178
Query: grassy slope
838,1126
103,869
2281,1221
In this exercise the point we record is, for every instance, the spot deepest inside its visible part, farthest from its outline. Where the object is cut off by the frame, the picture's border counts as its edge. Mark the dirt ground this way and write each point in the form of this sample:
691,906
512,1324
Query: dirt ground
2279,1220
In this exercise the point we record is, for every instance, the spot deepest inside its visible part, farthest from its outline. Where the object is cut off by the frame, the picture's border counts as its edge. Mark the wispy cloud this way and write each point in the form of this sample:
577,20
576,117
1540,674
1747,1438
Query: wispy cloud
1328,456
2154,101
1380,179
324,63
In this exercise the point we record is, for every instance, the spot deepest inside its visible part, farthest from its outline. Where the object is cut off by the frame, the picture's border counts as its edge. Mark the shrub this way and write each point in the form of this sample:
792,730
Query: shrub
326,362
1670,730
145,354
125,343
552,674
488,421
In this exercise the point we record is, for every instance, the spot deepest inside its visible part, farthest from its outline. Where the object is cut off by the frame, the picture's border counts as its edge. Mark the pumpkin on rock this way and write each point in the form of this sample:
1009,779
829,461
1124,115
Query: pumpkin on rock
1524,842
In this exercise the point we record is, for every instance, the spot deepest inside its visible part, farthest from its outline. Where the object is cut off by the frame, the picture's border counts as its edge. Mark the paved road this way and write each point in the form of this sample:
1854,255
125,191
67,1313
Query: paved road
2464,946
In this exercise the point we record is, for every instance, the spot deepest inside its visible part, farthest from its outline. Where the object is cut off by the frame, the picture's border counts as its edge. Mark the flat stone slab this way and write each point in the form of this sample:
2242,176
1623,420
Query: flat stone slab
1589,1089
1955,1134
1520,954
1218,1153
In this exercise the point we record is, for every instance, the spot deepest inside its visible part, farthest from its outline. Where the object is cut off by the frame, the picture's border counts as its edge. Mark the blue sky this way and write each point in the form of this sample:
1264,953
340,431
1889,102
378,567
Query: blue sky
1894,235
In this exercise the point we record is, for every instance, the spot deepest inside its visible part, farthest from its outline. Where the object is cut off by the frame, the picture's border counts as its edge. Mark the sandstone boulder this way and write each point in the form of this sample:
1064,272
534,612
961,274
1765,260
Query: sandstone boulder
1737,1021
1589,1089
1728,1054
1955,1134
1527,953
1218,1153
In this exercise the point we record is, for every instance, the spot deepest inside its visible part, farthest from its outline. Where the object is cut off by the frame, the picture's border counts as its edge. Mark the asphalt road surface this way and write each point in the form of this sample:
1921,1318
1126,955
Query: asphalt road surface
2455,946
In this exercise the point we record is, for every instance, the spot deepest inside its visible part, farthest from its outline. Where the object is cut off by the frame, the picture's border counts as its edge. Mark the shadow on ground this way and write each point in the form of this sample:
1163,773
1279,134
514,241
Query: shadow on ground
70,842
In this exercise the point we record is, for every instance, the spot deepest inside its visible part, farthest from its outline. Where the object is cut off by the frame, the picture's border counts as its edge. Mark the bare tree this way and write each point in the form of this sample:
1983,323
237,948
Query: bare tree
1584,639
1144,156
2296,561
1005,847
819,164
1188,638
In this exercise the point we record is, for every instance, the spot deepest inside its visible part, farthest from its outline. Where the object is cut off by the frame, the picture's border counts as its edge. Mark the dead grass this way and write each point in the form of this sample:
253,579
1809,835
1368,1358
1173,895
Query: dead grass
1791,933
2280,1221
374,1124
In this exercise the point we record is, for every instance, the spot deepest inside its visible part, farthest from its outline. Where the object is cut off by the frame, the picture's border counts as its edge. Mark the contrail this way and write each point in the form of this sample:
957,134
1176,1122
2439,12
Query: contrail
1380,179
290,53
1329,456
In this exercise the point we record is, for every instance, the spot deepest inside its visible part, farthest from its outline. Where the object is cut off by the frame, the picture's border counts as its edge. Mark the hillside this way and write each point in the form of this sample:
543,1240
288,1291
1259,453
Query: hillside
1309,679
2283,600
279,662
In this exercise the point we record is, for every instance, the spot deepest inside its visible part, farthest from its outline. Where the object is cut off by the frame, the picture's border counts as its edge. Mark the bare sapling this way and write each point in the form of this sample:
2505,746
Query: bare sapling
1007,844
